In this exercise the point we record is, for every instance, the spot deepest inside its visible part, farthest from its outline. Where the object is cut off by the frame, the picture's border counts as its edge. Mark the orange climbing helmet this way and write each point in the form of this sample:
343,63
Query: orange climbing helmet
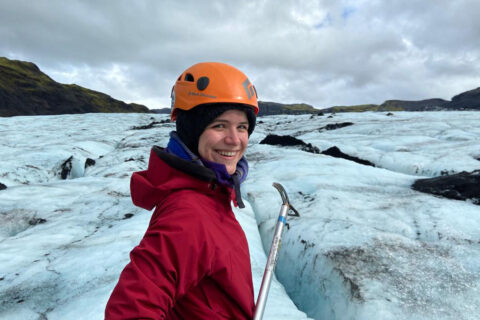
209,83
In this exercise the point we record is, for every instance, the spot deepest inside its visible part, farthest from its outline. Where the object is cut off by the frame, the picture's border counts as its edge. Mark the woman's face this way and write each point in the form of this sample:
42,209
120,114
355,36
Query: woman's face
225,139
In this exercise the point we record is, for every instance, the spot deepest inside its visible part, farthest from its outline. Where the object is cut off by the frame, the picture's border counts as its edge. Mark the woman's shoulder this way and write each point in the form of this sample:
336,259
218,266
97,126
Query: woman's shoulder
188,205
185,217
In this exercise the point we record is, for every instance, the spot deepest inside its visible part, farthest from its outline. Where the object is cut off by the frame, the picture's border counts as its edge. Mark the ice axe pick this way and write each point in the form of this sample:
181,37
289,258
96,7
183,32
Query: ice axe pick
273,255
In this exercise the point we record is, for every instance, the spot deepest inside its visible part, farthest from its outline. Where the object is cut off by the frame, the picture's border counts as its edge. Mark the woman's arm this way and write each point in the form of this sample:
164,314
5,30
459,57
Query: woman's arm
172,257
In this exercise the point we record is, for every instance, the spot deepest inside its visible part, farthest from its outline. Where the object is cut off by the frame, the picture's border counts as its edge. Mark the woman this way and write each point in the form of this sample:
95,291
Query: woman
193,261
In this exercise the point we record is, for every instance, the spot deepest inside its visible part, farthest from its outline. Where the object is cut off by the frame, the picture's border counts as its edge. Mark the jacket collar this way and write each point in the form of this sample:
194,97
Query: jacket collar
166,174
185,160
192,168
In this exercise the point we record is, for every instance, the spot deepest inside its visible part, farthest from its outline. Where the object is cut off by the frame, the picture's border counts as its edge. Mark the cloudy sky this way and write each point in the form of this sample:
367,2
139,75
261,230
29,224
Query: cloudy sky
325,52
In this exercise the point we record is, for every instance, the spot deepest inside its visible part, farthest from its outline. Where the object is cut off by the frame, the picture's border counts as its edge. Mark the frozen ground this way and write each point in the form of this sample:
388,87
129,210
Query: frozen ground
63,243
365,247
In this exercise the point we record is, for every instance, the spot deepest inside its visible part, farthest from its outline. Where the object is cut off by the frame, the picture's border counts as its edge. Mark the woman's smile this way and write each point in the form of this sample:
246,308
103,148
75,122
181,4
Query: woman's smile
224,141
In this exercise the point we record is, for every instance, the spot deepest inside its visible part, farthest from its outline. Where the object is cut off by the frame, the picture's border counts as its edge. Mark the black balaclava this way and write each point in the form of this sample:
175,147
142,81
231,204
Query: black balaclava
191,124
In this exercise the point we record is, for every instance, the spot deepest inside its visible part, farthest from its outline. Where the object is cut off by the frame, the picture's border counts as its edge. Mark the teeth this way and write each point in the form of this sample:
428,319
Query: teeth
227,154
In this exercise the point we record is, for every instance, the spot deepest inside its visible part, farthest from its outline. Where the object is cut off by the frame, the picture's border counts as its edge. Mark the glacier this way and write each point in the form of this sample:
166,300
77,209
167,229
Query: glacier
366,245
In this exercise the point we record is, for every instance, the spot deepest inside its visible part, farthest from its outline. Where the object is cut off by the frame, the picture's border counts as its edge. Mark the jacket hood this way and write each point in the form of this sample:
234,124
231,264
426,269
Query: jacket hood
167,173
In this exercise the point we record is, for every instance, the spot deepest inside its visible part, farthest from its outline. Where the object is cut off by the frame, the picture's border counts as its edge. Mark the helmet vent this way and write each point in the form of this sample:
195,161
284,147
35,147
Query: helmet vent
189,77
202,83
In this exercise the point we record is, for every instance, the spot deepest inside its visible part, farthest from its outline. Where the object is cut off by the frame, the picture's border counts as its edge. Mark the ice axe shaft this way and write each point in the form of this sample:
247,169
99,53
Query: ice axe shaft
273,255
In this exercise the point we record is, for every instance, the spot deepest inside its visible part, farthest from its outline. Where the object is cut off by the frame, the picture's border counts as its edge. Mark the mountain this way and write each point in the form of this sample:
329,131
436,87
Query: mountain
268,108
272,108
469,100
161,111
466,100
355,108
26,90
422,105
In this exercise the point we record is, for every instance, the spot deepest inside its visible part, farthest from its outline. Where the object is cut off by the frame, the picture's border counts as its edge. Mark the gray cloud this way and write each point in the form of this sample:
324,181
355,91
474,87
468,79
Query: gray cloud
319,52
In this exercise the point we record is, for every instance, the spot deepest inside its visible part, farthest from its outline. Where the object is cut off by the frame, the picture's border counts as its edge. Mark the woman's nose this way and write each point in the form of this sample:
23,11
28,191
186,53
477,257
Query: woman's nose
232,137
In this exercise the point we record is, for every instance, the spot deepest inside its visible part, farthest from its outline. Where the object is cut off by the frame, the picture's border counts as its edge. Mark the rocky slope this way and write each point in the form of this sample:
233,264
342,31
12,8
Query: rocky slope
466,100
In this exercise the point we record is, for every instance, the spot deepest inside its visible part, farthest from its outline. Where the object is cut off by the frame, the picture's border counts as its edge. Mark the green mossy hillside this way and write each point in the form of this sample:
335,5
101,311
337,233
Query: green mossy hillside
421,105
26,90
355,108
272,108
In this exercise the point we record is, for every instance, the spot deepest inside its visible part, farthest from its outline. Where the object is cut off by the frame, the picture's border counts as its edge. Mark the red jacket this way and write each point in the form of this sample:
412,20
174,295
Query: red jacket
193,261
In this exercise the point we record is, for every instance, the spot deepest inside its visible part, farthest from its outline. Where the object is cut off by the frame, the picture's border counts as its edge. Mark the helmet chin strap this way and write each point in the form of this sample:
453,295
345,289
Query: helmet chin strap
238,194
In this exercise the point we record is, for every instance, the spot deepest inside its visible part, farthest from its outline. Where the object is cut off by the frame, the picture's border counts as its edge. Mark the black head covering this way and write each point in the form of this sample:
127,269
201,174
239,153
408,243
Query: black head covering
192,123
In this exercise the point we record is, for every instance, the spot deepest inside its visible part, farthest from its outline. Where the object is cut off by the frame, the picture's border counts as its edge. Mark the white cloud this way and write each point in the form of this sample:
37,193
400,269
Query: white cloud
321,52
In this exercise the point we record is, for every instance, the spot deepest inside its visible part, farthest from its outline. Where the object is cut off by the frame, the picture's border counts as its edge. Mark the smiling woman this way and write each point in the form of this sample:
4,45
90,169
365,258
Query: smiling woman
224,141
193,261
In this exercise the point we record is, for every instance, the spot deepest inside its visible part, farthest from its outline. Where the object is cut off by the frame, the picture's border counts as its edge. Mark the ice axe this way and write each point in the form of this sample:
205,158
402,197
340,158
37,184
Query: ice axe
273,255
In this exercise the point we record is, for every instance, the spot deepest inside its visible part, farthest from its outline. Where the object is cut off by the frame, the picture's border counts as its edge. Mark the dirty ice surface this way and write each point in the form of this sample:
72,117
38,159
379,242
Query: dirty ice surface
63,243
365,247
